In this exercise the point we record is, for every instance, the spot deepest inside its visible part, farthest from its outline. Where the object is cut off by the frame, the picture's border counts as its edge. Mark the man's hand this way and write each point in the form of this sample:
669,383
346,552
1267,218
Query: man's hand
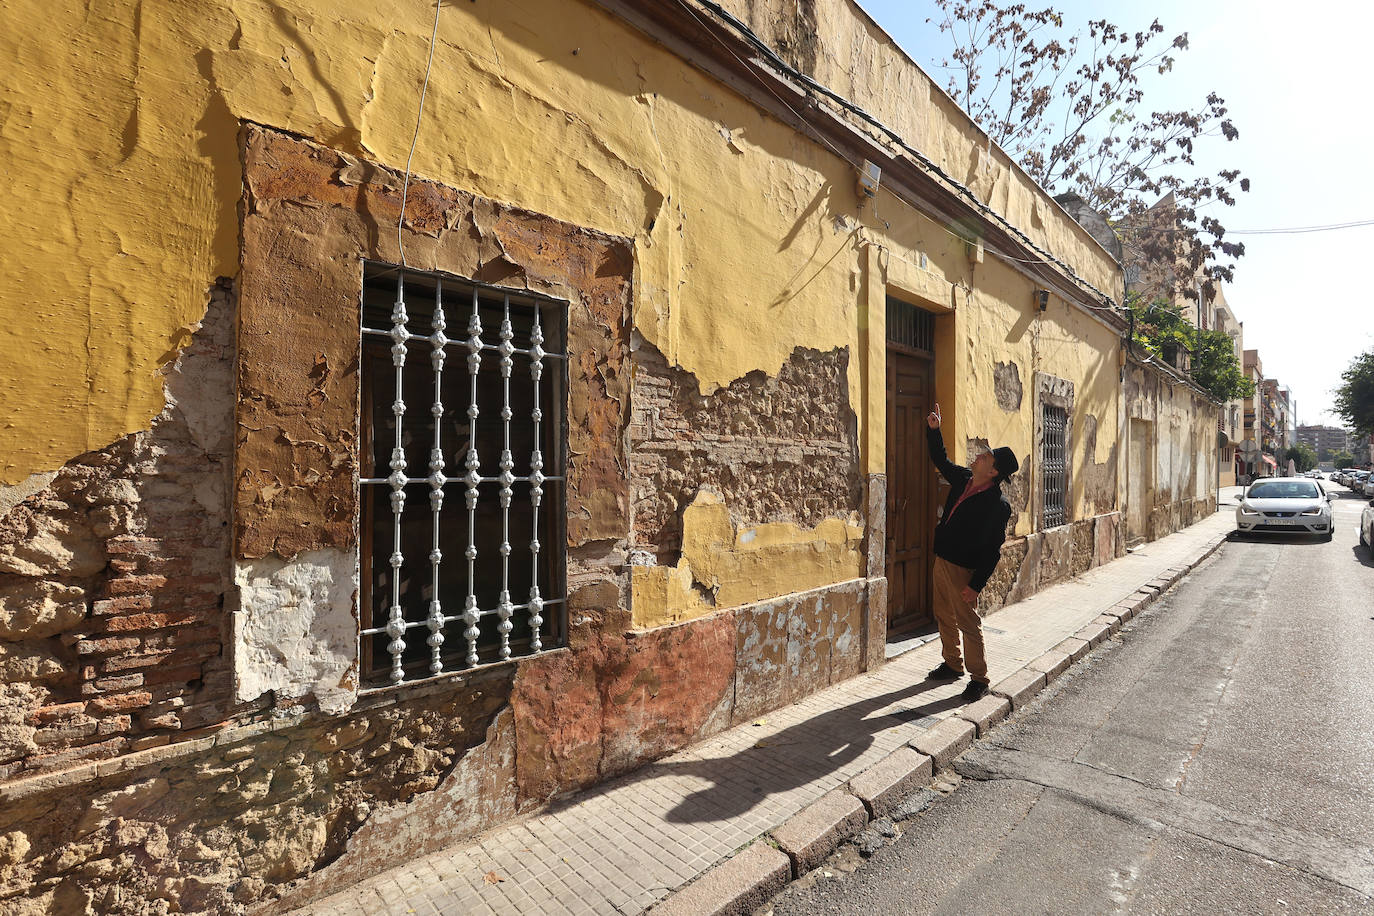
933,418
969,595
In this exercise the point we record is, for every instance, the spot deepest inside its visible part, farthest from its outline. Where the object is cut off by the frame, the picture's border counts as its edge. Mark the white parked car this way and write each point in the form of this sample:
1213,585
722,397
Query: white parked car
1285,505
1367,526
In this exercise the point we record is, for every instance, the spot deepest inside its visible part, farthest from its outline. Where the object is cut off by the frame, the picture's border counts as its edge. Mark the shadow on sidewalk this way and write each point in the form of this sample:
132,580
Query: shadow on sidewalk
793,757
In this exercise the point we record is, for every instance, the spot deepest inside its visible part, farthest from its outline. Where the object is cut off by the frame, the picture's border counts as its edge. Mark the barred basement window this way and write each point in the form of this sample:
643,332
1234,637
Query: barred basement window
1054,474
462,474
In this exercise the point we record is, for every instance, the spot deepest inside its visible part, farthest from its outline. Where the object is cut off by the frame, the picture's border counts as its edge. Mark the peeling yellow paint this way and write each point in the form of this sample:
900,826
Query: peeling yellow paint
740,565
121,125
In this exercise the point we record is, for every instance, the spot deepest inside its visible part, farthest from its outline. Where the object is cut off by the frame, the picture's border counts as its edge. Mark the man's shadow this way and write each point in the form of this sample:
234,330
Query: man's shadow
793,757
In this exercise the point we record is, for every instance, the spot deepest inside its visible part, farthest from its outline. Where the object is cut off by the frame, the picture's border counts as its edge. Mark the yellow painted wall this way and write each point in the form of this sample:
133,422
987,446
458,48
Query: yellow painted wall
739,565
121,136
994,320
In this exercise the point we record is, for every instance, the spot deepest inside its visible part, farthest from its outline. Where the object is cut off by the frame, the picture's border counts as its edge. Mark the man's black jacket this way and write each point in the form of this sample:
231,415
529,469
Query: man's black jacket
973,536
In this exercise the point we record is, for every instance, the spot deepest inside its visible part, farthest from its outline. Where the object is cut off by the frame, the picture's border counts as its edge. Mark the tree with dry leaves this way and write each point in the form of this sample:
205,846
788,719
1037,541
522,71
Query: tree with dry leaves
1072,109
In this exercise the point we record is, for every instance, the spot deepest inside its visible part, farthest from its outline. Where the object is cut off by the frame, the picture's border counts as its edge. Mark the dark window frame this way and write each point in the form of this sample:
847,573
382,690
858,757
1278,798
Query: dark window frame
1054,476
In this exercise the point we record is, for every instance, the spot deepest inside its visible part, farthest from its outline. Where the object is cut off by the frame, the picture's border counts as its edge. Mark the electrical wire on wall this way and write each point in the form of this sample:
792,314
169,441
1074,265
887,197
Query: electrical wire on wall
893,137
415,139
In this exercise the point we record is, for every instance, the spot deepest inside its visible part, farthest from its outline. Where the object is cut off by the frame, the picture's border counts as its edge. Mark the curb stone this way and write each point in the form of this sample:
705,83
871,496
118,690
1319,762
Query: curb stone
1073,647
734,887
1052,663
1110,621
945,741
986,713
883,786
814,832
1020,687
1093,634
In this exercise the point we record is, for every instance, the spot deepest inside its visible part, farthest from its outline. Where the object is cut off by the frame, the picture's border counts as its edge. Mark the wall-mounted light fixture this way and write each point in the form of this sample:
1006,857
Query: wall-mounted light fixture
1042,299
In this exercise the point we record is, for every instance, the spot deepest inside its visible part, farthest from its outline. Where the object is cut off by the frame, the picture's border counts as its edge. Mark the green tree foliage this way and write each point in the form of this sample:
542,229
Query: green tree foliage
1343,460
1071,108
1162,331
1355,395
1304,458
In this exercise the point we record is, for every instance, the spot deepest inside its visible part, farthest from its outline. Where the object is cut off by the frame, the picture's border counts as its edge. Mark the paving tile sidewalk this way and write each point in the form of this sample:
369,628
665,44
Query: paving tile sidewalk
629,843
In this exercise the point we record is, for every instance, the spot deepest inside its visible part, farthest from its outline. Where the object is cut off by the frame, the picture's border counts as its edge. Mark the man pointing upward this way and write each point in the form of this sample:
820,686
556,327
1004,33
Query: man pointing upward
968,544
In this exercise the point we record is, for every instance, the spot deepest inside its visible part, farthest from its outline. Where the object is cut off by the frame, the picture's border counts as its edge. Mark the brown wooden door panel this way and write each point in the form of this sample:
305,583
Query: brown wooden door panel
909,524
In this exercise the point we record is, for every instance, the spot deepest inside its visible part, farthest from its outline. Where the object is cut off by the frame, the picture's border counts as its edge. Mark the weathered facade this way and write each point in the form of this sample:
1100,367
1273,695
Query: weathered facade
200,704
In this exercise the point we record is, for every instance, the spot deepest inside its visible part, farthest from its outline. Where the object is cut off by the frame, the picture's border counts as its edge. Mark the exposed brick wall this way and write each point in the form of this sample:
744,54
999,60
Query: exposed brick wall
777,449
112,580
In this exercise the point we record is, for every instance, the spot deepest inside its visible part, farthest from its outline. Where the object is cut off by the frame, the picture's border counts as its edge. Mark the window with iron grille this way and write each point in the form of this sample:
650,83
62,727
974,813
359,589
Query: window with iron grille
909,326
462,474
1054,474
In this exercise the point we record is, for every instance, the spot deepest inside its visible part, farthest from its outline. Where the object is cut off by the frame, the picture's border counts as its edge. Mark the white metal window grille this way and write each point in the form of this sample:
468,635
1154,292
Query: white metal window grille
462,477
1054,474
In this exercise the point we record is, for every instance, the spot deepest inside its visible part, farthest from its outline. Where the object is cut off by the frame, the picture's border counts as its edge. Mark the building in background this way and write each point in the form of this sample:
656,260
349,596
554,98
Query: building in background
1326,441
1231,416
1260,442
1281,412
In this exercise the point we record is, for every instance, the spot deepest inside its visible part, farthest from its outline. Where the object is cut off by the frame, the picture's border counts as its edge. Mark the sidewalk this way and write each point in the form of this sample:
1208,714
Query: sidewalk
628,844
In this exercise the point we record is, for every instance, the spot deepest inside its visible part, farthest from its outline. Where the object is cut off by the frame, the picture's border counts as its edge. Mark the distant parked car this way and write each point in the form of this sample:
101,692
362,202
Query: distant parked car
1367,526
1285,505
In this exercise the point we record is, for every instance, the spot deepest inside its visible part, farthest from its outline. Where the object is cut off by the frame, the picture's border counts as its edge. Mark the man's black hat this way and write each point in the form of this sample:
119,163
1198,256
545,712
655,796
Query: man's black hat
1004,459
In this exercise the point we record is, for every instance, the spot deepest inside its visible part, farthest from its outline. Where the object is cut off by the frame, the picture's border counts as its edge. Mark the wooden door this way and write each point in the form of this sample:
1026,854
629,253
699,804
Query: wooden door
910,522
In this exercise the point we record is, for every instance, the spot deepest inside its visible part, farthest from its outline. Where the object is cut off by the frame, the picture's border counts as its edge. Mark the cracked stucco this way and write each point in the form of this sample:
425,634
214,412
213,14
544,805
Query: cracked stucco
725,565
129,161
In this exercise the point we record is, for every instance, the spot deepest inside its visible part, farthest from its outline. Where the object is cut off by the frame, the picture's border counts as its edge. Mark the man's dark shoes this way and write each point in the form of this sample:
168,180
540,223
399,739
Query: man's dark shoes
944,673
975,690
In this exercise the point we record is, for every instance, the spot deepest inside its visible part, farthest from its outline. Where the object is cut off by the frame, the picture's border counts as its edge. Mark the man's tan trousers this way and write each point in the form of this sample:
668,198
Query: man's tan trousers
955,617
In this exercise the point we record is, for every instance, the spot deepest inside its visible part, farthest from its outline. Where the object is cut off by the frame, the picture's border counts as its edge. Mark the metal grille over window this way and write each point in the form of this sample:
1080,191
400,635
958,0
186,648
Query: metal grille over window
909,326
443,588
1054,466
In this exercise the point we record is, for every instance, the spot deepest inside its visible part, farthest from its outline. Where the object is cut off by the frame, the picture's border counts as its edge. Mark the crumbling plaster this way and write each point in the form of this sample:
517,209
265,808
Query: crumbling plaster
147,179
296,628
724,565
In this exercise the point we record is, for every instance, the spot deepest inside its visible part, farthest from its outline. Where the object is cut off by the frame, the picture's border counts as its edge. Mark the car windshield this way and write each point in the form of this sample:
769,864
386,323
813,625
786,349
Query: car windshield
1284,489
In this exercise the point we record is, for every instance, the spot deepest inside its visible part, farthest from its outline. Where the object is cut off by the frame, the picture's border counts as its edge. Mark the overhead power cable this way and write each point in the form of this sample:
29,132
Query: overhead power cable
419,118
1291,230
895,138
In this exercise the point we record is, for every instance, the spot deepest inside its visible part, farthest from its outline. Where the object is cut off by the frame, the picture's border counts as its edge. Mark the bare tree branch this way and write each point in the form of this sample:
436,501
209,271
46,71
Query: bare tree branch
1071,110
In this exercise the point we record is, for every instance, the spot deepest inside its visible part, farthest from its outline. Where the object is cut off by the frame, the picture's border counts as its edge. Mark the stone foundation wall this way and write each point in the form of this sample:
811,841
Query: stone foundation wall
1165,520
1044,558
266,815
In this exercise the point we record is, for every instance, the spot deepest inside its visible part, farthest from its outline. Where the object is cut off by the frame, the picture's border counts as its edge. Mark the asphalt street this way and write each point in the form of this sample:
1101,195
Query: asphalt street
1217,757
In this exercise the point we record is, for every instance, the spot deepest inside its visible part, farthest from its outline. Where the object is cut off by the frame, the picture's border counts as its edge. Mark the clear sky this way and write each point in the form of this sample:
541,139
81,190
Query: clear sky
1297,81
